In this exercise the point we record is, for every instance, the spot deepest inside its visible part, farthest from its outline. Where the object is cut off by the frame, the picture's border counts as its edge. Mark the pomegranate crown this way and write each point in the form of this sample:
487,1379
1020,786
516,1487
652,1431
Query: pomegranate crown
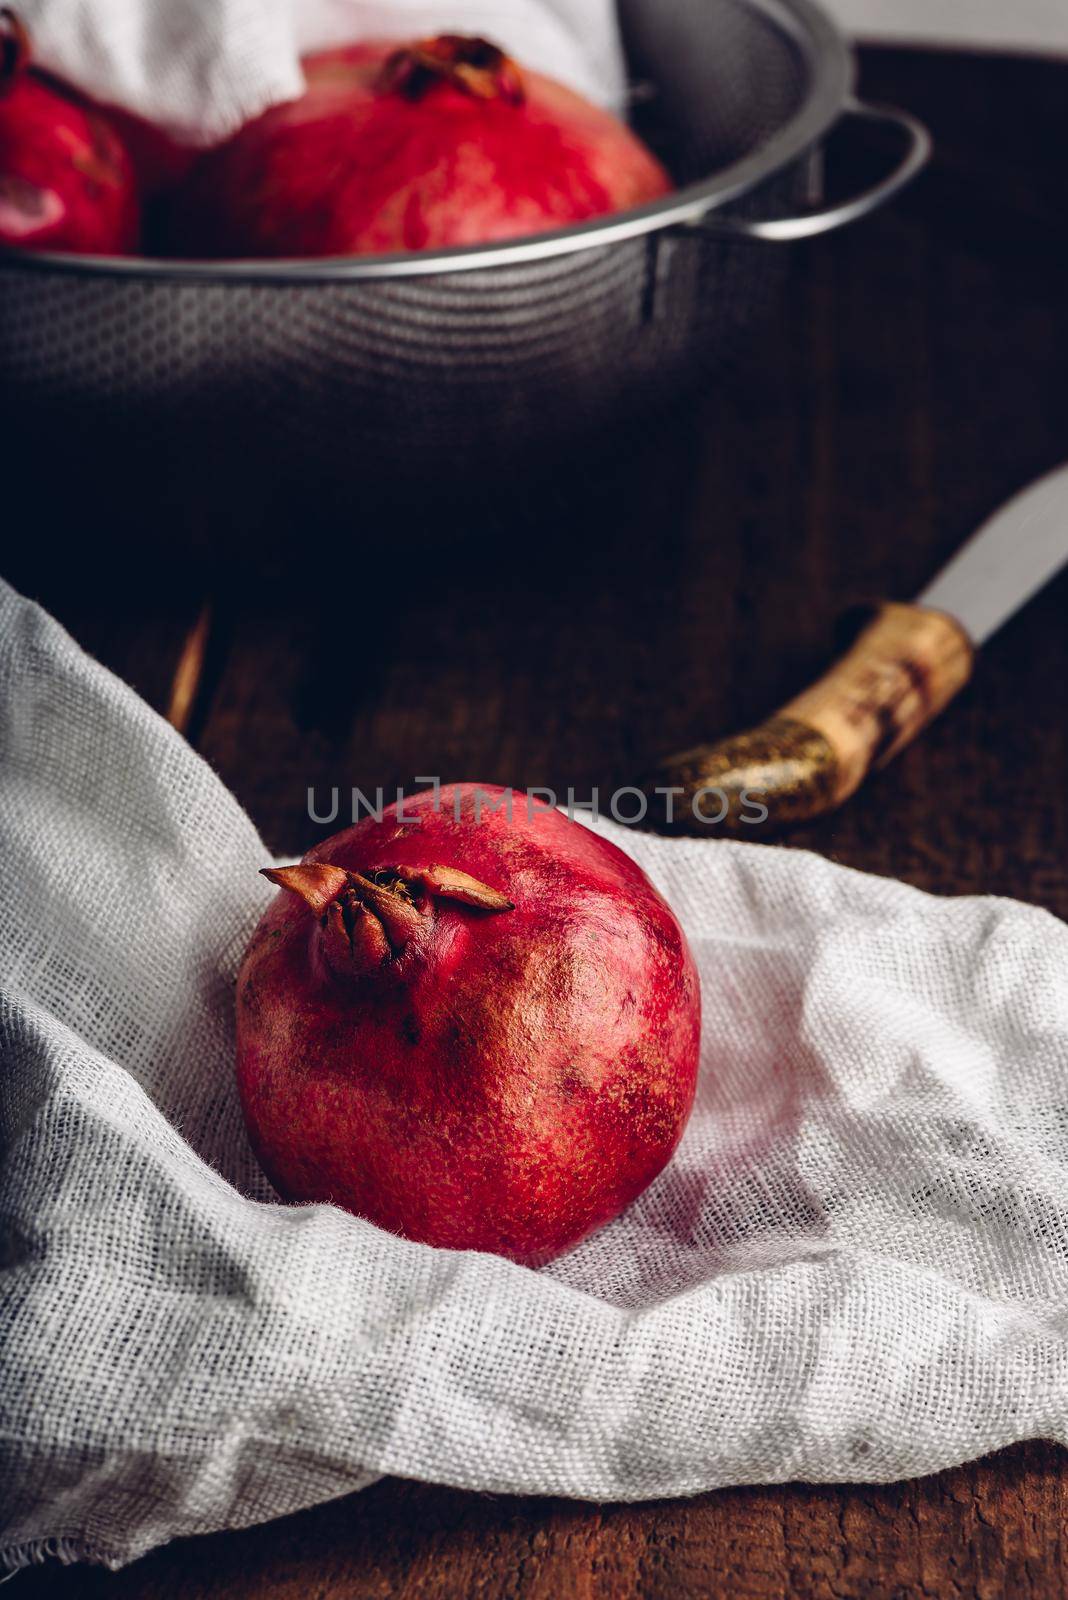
14,49
474,66
366,921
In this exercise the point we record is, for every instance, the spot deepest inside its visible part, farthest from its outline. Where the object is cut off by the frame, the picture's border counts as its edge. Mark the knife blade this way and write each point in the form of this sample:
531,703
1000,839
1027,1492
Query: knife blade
899,673
1012,556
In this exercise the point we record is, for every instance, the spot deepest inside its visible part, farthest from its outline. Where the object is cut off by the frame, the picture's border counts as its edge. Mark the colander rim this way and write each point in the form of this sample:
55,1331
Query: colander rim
830,62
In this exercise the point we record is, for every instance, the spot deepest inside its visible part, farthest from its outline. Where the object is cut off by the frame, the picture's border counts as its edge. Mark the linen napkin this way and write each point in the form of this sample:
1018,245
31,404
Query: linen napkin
856,1266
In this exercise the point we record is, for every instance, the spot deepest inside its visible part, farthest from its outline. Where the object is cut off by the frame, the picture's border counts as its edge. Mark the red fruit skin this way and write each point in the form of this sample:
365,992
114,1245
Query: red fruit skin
350,169
66,179
510,1085
159,162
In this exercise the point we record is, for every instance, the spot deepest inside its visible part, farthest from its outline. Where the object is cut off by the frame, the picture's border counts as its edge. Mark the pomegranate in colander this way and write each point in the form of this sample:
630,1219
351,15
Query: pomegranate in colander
443,142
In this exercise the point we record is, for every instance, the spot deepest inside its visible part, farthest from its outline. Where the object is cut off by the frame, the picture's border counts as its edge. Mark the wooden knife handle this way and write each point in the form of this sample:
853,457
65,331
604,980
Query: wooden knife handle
816,750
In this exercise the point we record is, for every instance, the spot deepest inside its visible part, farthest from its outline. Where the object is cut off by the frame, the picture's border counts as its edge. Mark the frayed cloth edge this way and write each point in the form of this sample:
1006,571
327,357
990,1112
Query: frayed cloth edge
35,1552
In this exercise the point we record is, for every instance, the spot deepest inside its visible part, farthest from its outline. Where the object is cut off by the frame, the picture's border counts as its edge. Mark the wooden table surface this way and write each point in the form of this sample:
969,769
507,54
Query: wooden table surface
917,375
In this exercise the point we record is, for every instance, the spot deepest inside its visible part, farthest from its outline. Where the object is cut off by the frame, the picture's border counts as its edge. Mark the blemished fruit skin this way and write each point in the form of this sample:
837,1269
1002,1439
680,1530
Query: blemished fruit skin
505,1064
66,179
385,154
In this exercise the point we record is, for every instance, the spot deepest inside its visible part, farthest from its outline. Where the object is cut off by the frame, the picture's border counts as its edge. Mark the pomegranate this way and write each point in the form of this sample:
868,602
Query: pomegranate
66,180
477,1029
444,142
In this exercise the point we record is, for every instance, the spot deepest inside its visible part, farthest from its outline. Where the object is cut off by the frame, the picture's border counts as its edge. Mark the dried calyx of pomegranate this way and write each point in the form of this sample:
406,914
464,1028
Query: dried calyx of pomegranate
474,65
368,920
14,49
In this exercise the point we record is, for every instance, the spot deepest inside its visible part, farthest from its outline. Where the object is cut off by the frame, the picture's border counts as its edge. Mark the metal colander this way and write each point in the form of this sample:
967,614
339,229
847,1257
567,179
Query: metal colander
442,361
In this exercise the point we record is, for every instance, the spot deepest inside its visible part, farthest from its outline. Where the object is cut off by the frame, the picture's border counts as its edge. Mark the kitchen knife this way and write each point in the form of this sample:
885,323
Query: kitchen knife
902,669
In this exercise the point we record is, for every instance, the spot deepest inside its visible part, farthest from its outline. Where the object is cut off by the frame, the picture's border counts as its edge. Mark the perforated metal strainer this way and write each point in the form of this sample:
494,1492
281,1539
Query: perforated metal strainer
433,359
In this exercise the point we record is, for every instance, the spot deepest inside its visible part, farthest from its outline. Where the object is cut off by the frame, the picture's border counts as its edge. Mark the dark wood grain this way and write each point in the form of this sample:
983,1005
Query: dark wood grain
989,1530
914,378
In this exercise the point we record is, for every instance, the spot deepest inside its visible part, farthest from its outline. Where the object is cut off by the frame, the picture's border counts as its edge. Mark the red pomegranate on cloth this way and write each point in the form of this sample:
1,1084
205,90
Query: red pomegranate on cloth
417,147
476,1029
66,179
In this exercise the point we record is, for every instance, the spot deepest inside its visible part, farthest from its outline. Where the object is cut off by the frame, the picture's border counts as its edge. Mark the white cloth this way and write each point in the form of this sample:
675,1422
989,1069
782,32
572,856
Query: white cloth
856,1267
200,68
